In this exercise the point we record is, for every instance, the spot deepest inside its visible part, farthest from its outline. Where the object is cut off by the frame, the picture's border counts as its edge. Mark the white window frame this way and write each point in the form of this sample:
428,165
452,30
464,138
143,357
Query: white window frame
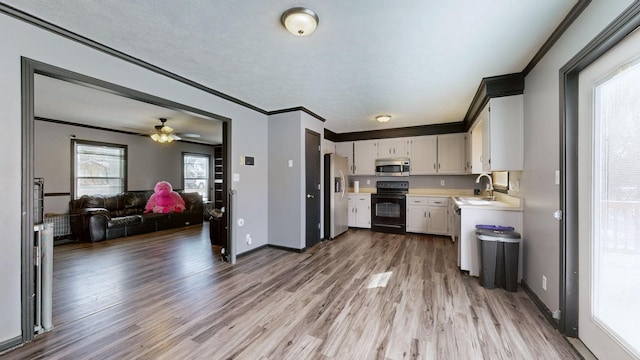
76,191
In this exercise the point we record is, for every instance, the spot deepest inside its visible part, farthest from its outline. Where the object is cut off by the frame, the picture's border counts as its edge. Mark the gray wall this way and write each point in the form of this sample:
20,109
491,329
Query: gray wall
285,186
541,111
17,39
287,201
149,162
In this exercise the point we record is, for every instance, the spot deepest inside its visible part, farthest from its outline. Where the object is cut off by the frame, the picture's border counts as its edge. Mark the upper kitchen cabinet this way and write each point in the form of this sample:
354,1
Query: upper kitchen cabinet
474,145
502,134
424,155
365,153
345,149
451,153
393,148
438,154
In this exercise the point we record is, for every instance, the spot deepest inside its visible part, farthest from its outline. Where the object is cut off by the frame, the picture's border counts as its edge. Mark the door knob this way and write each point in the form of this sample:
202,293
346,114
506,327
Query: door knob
309,196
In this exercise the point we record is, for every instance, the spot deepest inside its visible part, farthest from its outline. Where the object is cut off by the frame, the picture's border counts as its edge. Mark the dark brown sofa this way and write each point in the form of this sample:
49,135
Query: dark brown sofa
103,217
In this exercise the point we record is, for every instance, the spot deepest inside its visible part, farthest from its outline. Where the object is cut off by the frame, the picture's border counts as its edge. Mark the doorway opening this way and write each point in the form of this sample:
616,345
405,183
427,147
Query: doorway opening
57,199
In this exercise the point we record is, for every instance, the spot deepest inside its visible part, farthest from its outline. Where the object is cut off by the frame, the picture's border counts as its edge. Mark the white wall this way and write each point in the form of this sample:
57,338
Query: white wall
541,111
149,162
17,39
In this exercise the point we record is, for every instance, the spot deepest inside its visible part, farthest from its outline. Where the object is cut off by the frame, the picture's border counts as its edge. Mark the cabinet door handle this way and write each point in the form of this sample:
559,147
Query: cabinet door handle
425,214
434,166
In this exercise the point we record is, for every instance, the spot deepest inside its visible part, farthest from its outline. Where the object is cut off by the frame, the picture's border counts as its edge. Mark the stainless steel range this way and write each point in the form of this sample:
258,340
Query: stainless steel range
389,207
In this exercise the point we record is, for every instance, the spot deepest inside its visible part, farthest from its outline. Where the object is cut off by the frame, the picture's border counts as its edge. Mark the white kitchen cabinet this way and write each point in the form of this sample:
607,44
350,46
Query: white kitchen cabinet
427,215
365,153
393,148
437,216
475,157
359,210
502,133
417,208
328,147
451,153
345,149
424,155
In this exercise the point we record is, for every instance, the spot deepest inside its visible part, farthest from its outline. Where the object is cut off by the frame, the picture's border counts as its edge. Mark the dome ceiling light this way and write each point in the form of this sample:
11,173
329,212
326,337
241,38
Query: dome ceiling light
300,21
383,118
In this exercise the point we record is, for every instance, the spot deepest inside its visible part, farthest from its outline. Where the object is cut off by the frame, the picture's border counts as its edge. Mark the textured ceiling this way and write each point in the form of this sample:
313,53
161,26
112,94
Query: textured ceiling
420,61
61,100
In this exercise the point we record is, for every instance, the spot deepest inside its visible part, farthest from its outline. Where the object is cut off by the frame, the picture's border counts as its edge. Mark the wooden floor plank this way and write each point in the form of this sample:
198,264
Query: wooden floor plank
167,295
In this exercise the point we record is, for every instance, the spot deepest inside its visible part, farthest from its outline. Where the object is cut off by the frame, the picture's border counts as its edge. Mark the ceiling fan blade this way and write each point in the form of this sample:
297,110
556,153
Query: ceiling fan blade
175,137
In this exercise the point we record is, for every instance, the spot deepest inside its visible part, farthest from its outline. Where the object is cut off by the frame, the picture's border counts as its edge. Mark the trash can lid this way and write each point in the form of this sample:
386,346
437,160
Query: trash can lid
494,235
495,227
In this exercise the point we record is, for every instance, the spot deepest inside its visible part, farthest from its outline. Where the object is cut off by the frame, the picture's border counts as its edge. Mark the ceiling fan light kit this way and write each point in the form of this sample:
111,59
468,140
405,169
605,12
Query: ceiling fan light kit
163,133
300,21
383,118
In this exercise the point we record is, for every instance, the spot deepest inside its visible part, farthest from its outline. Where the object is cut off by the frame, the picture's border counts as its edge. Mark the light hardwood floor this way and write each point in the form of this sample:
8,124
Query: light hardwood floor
166,295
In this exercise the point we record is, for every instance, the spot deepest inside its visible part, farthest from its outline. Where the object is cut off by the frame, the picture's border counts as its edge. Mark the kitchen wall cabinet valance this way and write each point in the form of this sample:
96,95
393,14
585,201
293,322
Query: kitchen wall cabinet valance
502,133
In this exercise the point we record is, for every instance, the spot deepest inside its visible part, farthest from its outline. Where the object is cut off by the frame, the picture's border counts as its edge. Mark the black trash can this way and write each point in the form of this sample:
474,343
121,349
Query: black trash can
215,227
511,254
499,252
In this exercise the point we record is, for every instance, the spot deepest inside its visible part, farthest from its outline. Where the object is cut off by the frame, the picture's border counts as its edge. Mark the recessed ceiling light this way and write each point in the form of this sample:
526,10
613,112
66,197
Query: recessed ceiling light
383,118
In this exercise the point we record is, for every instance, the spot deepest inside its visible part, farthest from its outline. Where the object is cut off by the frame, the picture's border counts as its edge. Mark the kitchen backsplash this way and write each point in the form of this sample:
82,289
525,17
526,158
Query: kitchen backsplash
421,181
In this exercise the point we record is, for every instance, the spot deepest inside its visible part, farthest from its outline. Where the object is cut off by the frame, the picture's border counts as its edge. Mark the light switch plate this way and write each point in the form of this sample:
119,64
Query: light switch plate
557,177
236,177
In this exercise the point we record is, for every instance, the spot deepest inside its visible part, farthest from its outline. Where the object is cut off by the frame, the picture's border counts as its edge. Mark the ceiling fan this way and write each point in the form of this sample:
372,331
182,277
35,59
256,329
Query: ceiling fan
164,133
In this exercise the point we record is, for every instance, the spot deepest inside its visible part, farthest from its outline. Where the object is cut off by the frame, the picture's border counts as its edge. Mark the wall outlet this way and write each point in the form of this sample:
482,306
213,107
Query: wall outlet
441,182
368,182
544,283
249,239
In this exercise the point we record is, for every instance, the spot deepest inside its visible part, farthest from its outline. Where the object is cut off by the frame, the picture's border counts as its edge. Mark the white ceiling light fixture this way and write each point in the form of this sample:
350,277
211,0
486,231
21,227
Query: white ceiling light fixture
383,118
300,21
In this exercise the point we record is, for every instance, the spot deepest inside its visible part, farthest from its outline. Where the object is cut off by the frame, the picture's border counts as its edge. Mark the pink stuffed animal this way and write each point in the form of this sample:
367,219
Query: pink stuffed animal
164,200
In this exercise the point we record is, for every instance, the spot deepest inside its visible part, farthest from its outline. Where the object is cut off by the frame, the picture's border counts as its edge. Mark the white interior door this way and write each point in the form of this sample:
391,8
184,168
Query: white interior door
609,203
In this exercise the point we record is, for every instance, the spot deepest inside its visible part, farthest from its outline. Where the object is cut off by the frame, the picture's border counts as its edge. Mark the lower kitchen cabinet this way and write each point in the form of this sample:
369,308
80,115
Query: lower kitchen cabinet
359,210
427,215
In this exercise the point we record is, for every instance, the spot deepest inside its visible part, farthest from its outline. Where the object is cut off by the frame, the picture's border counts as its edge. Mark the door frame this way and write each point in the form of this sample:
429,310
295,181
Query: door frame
615,32
29,68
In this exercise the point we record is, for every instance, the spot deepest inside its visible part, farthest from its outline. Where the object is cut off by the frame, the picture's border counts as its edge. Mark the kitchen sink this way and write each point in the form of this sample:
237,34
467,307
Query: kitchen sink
478,202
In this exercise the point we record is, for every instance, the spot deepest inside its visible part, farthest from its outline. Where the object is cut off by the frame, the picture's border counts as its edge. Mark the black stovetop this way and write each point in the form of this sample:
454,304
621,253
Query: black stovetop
392,187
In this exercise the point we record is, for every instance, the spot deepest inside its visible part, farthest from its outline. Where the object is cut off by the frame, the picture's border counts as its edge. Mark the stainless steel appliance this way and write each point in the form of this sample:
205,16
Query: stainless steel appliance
389,207
393,167
336,209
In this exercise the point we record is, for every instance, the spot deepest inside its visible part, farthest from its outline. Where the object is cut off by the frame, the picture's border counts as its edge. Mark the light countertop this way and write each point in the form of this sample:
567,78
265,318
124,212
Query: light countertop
463,198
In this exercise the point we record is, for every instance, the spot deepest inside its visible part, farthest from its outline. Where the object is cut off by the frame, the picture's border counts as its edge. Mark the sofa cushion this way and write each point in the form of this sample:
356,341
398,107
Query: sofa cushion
125,220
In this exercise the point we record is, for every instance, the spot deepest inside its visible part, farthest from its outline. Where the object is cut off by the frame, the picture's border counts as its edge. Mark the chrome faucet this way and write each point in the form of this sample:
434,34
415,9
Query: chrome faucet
490,188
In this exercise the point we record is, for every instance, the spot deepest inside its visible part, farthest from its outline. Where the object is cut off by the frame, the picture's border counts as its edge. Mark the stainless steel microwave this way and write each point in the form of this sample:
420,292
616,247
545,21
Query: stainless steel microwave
392,167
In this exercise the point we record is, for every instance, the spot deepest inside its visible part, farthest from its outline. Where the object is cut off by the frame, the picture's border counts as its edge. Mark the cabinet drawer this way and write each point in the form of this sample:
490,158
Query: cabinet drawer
362,199
417,200
438,202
